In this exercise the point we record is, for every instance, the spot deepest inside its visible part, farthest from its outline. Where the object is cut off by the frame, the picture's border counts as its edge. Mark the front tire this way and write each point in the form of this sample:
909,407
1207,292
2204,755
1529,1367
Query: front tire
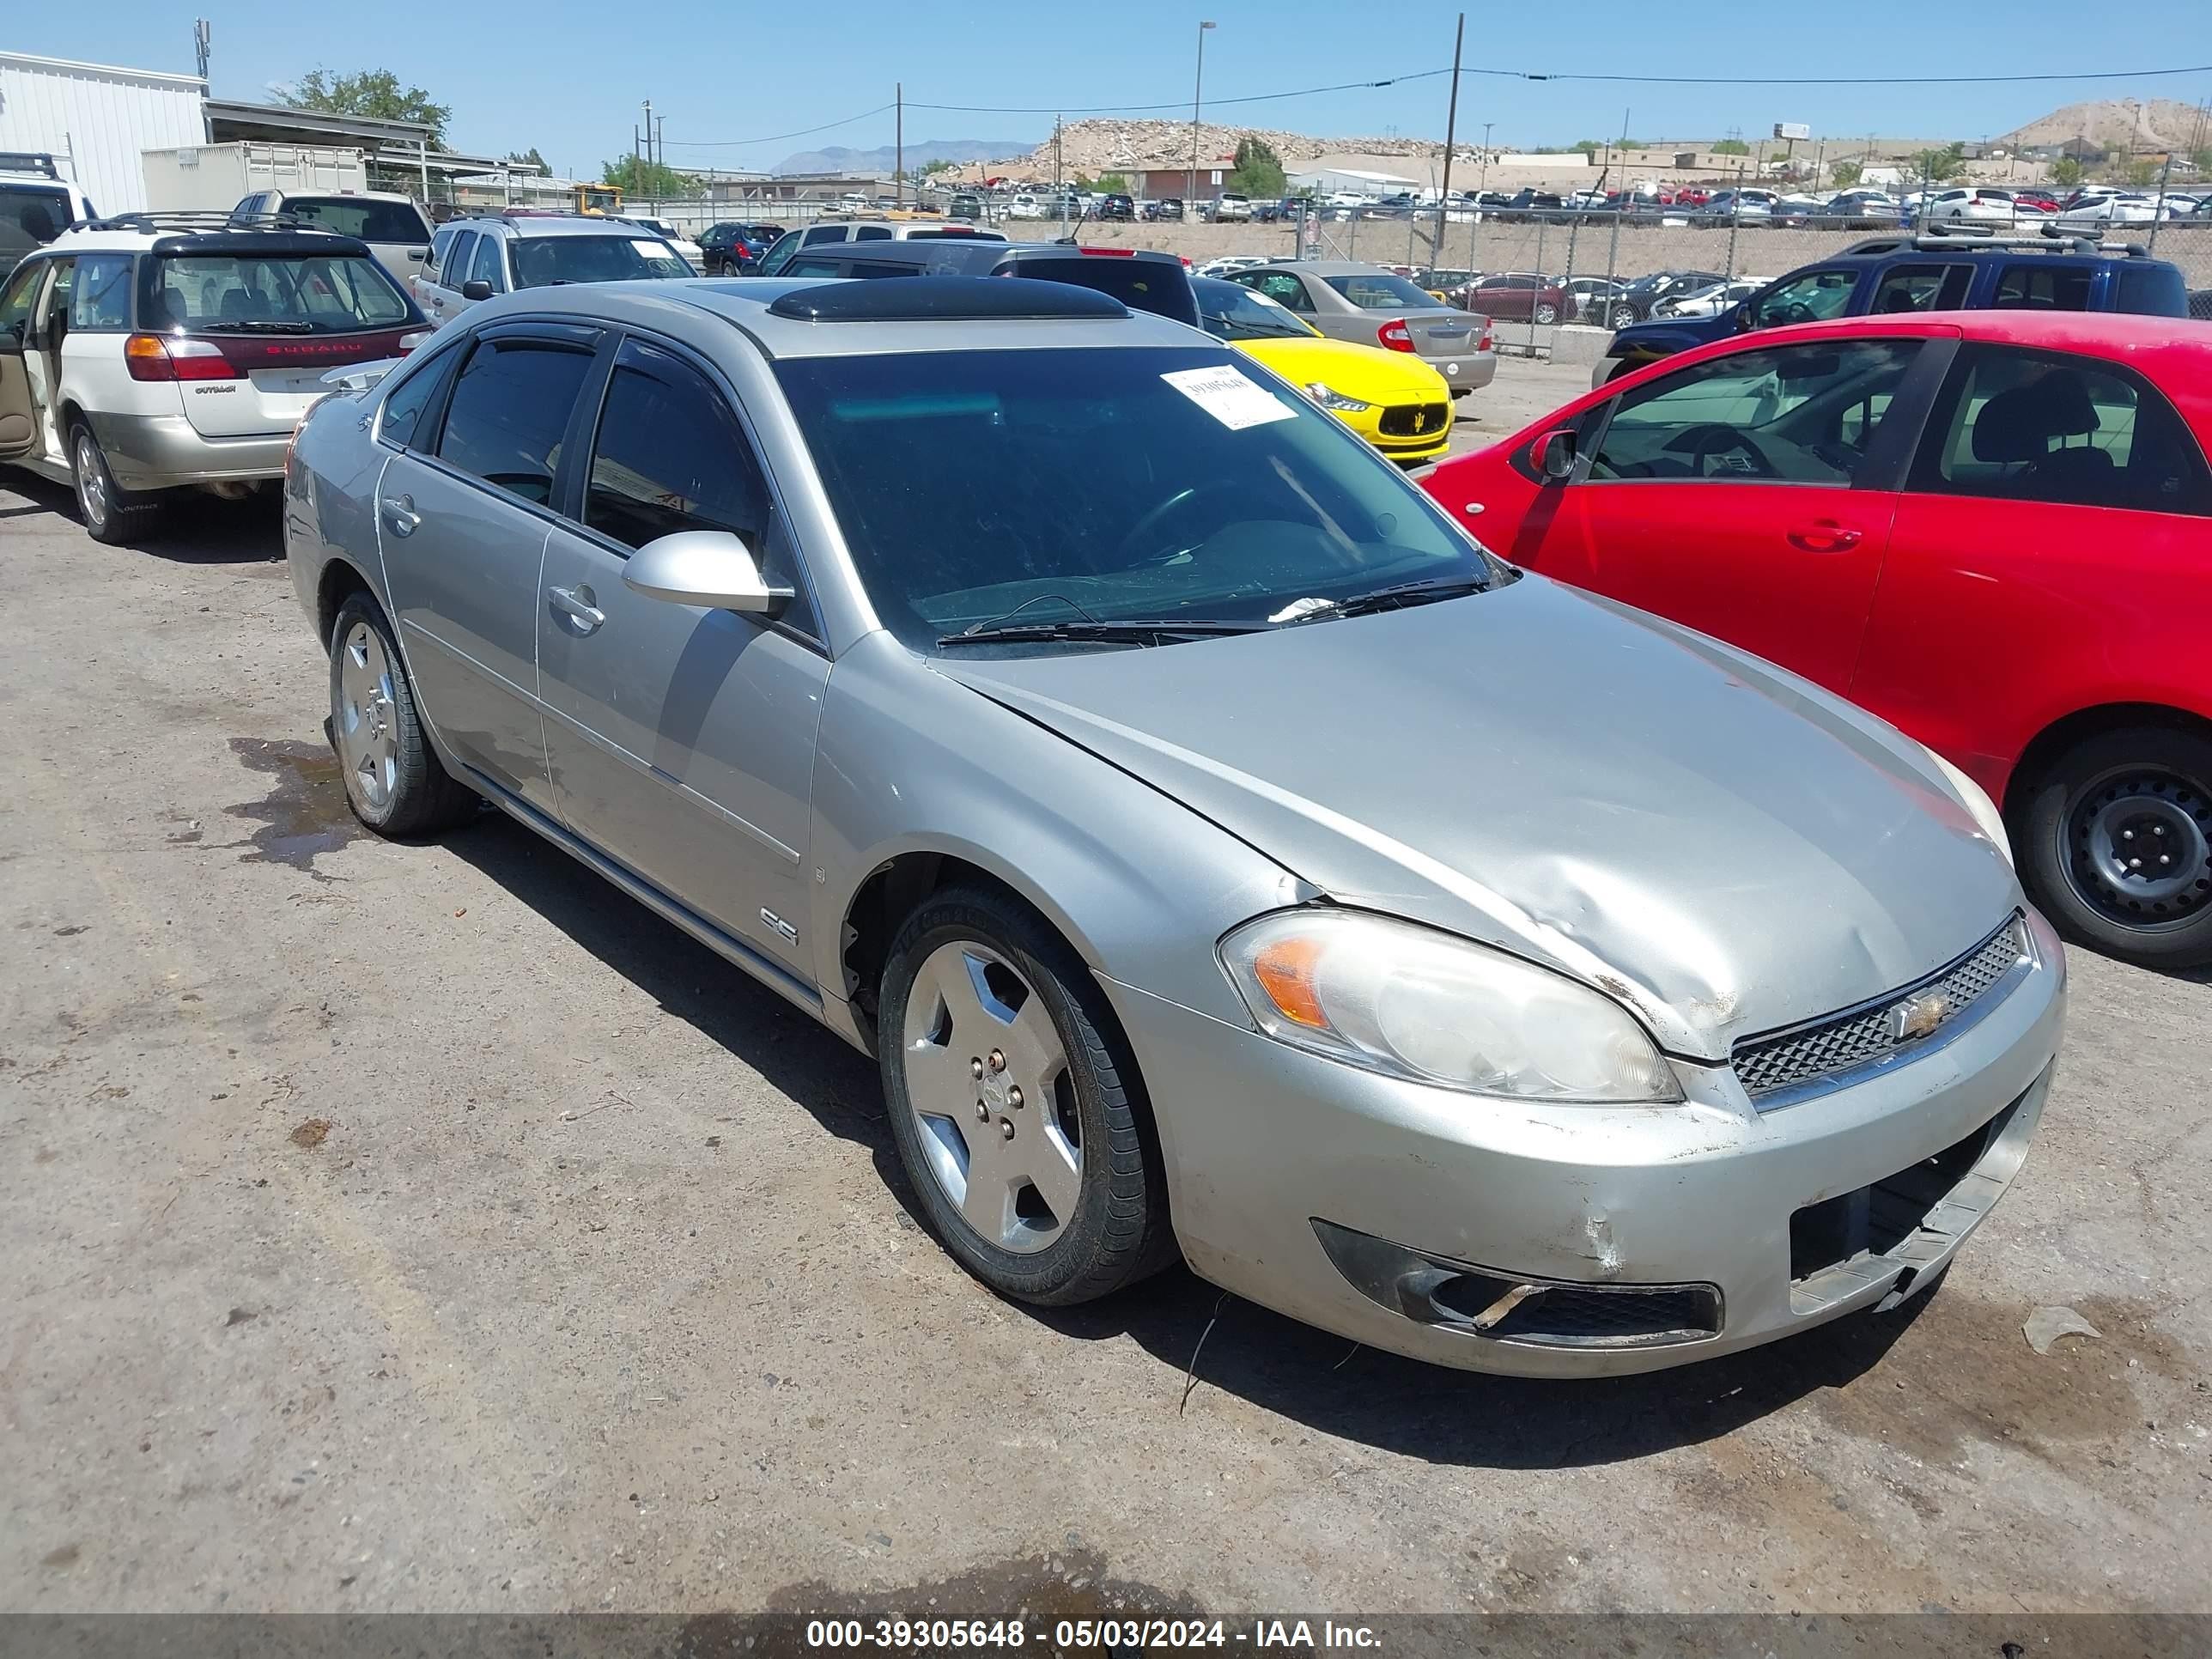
2116,845
112,515
1016,1105
394,782
1547,315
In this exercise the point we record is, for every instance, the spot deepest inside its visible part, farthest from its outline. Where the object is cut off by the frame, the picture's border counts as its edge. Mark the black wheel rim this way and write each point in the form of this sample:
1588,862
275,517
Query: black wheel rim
2138,847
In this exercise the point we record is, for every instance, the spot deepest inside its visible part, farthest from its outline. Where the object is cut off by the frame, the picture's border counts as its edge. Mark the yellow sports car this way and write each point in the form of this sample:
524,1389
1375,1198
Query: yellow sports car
1391,398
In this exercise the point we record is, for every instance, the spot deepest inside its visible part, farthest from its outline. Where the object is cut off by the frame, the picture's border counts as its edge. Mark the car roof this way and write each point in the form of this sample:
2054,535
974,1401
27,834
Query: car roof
744,302
143,234
346,195
1333,267
556,225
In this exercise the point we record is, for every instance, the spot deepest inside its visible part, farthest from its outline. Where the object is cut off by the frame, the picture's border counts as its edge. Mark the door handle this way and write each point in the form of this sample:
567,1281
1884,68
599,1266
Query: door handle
1825,535
575,604
399,513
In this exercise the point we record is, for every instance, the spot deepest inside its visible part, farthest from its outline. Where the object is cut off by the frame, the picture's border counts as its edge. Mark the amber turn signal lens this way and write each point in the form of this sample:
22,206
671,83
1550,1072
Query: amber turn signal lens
1285,968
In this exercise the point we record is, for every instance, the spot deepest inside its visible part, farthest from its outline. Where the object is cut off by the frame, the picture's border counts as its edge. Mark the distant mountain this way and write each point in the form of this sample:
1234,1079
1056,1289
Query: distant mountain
836,158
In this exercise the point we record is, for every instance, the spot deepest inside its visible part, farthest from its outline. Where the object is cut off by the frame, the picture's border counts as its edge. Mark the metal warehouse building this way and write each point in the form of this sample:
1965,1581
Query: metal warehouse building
97,120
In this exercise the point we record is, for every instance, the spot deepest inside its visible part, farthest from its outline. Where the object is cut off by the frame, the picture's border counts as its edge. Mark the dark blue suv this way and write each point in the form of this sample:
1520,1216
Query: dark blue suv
1925,273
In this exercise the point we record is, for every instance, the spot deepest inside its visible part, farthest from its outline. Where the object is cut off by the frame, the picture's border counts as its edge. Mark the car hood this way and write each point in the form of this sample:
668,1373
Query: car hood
1366,372
1723,846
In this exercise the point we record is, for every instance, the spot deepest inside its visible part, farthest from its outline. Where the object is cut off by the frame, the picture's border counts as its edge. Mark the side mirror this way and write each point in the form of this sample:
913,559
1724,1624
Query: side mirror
1553,455
711,569
476,289
1745,321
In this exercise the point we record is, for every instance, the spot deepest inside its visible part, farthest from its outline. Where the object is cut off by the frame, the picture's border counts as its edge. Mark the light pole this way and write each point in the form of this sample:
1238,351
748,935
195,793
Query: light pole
1197,91
1482,182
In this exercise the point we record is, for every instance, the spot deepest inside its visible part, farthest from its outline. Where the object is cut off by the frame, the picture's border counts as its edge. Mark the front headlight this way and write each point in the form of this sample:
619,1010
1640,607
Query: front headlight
1986,816
1329,398
1414,1003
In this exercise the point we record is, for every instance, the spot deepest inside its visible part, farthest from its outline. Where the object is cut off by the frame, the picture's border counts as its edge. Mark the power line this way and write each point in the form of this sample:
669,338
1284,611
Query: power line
1178,104
773,138
1492,74
1843,80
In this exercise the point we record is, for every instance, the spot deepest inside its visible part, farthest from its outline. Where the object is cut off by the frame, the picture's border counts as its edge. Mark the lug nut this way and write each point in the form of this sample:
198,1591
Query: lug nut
2127,834
997,1061
982,1113
1007,1125
2158,829
975,1068
1014,1094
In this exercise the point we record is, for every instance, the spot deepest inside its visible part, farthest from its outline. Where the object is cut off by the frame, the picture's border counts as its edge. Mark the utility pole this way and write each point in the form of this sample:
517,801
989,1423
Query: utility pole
1451,130
2158,203
1482,177
637,180
203,38
1613,242
898,143
1197,91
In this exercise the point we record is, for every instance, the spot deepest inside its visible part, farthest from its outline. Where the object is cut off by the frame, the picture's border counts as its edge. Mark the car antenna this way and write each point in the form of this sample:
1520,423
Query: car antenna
1073,238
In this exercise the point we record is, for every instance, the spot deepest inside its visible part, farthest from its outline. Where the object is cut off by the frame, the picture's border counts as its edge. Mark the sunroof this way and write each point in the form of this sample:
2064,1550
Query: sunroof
943,298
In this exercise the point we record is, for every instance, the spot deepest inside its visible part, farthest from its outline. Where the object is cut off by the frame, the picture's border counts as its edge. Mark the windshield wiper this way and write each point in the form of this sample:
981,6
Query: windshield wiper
1145,632
254,326
1396,597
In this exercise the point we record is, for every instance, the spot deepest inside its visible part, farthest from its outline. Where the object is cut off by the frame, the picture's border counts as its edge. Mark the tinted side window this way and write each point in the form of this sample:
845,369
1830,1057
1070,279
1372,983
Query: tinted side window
2041,426
456,268
1811,298
440,244
1922,287
489,266
1285,289
672,455
510,407
101,298
822,234
2043,286
777,258
406,403
2155,290
1798,413
15,298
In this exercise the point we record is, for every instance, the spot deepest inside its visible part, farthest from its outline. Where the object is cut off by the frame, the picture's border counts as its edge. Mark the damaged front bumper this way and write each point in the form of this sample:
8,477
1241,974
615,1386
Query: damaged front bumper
1566,1240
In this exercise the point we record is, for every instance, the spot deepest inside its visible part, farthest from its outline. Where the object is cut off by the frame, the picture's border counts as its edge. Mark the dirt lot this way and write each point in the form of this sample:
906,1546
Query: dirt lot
430,1227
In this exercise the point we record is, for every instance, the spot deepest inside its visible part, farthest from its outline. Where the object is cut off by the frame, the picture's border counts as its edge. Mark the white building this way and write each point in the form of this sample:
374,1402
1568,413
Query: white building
97,120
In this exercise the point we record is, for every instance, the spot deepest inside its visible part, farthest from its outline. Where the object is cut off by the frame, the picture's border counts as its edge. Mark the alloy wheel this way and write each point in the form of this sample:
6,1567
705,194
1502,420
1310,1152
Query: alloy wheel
91,482
366,717
988,1084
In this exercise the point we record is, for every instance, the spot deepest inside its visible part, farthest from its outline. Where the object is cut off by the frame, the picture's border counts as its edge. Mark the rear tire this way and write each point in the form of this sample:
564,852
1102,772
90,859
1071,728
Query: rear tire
394,780
1016,1105
112,515
2113,845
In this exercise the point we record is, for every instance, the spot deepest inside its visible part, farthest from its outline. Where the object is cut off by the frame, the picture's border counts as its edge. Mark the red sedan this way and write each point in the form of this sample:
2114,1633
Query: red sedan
1993,529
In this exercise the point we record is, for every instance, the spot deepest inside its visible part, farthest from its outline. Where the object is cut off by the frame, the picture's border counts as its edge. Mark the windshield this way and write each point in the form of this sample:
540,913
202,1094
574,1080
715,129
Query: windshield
541,261
295,293
1208,496
350,216
1379,291
1230,311
31,215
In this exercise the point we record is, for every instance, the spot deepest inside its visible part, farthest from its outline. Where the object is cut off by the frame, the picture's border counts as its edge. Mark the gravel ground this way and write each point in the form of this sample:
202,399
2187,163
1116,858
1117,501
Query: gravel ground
430,1227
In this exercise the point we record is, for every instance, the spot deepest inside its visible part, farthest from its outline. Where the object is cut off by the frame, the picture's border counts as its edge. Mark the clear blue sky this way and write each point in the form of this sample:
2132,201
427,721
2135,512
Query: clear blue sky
568,77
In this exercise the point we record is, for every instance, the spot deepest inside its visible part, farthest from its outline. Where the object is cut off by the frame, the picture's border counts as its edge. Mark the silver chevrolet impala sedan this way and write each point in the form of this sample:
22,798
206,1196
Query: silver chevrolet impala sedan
1223,854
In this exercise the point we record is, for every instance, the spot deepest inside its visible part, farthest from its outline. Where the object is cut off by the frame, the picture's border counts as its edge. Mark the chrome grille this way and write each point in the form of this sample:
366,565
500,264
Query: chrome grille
1862,1035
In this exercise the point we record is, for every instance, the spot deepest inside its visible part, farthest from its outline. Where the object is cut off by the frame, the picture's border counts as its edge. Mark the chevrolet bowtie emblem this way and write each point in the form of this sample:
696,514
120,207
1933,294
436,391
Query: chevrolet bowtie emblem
1916,1017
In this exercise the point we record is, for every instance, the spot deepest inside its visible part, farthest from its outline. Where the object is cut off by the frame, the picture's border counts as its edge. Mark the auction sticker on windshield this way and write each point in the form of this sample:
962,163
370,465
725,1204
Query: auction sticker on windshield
1227,395
650,250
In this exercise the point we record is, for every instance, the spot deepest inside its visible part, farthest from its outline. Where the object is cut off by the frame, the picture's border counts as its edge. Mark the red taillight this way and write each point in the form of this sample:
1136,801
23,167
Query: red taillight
1395,336
177,357
1485,344
1115,253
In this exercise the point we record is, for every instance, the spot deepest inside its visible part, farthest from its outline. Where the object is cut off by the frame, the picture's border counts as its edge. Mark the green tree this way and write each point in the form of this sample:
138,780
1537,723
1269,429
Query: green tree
2202,161
2139,174
1730,147
1940,166
375,93
1110,183
529,158
1258,172
651,179
1844,174
930,169
2067,170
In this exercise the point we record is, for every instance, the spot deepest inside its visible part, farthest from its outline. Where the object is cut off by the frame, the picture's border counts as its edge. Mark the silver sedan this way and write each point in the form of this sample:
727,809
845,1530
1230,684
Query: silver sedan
1231,860
1370,307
